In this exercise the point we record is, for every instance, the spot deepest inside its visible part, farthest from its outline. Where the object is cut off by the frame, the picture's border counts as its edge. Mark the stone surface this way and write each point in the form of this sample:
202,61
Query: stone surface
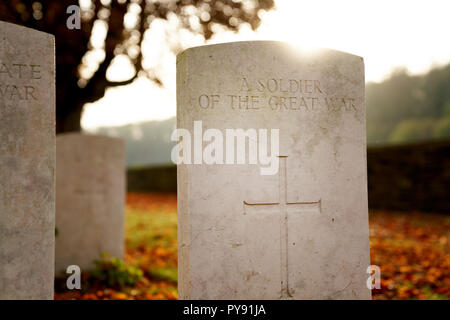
301,233
90,199
27,163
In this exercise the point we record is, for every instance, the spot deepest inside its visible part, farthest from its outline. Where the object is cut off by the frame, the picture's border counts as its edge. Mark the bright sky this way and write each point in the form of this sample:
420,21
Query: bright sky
387,33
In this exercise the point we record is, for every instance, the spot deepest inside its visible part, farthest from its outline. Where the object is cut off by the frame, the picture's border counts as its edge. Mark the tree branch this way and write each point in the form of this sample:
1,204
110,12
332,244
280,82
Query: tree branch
121,83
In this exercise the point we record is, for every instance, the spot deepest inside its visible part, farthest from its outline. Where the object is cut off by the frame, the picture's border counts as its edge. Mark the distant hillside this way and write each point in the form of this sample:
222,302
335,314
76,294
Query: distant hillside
401,109
148,143
406,108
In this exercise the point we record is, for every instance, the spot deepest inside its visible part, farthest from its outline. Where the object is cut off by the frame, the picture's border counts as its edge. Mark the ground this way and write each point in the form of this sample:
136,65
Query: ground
411,249
413,252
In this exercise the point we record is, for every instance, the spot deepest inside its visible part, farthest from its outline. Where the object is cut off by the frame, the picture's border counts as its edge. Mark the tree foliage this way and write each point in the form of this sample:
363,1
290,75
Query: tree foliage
75,87
442,129
406,108
412,130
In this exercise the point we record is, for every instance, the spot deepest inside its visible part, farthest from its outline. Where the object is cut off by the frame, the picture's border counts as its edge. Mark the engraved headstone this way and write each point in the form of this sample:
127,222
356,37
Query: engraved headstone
297,232
27,163
90,199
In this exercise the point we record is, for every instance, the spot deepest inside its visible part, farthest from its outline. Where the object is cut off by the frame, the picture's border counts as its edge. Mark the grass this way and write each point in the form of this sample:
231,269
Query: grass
151,229
411,249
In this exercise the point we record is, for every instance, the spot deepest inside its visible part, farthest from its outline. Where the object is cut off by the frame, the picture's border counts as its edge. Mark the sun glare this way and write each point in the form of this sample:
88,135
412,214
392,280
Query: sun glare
387,34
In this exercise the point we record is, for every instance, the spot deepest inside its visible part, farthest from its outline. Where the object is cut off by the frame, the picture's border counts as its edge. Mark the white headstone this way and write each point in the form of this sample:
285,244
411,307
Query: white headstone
90,199
27,163
247,231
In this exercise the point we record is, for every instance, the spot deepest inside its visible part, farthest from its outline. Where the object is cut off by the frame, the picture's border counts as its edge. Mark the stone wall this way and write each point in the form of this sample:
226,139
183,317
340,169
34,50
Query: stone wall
405,178
410,177
151,179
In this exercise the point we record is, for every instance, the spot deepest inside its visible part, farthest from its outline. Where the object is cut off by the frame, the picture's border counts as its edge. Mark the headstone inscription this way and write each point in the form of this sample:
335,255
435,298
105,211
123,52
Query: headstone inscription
301,231
27,163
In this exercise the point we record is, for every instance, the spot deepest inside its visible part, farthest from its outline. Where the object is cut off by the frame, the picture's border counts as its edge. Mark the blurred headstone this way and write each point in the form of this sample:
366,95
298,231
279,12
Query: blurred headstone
27,163
90,199
301,232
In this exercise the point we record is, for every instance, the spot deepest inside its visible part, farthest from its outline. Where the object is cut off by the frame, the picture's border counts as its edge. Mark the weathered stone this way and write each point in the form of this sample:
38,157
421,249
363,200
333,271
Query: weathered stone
90,199
301,233
27,163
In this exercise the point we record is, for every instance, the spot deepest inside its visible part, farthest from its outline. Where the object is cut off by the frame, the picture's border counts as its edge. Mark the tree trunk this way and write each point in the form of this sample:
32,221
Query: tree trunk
69,122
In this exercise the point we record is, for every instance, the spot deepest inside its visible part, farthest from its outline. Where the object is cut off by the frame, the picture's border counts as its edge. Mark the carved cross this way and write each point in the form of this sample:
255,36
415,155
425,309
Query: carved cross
282,207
